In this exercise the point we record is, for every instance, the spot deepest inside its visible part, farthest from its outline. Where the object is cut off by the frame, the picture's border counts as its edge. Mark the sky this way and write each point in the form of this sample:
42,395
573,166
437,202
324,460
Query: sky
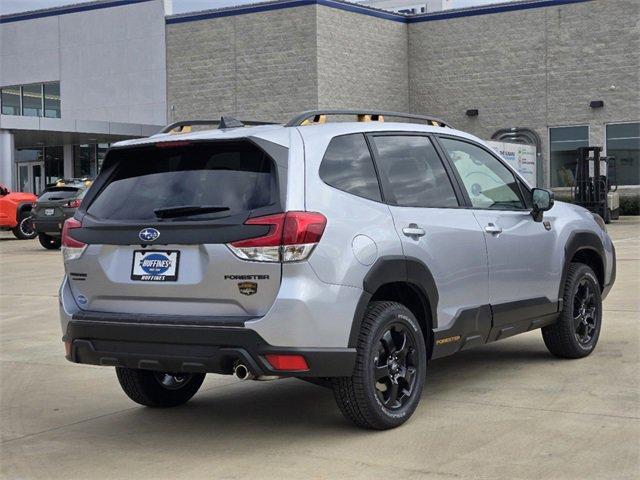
179,6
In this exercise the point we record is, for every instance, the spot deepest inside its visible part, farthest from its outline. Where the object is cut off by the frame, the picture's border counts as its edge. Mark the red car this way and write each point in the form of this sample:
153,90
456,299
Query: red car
15,213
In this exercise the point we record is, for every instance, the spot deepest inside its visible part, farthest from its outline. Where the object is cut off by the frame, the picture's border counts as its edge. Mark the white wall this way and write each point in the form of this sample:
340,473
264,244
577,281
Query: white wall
6,158
110,62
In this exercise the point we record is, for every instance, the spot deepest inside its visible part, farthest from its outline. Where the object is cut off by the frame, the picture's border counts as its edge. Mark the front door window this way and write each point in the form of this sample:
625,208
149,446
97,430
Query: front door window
489,184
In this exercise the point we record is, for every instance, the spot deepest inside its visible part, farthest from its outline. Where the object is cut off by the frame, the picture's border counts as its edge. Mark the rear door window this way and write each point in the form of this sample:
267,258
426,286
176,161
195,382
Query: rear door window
58,193
197,181
347,165
414,172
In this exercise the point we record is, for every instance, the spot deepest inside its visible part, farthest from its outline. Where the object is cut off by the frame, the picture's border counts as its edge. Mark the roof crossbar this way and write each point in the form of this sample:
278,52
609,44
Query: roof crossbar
319,116
184,126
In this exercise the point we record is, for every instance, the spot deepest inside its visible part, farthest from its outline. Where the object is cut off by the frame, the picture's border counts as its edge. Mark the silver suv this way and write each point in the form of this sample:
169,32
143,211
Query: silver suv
348,254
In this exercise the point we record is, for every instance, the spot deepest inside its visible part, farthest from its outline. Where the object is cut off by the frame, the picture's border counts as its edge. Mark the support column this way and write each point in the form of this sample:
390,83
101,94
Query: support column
7,159
67,152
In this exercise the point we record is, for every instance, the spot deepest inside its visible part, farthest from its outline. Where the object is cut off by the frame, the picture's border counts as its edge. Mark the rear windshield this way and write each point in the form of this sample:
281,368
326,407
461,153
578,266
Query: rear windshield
220,178
58,193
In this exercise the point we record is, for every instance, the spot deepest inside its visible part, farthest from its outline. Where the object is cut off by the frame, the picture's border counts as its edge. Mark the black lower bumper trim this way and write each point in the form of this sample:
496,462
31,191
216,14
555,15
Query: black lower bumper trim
49,225
190,348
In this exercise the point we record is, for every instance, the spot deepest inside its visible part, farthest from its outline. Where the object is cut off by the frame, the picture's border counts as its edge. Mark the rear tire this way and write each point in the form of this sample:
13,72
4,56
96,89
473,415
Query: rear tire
49,242
158,389
576,332
24,230
389,374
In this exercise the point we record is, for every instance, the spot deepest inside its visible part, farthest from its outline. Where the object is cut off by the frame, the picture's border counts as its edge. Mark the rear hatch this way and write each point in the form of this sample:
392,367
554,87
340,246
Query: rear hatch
157,221
51,202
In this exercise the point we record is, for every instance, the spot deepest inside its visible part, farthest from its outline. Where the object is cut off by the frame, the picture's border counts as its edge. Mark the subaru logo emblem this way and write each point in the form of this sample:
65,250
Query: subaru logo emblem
149,234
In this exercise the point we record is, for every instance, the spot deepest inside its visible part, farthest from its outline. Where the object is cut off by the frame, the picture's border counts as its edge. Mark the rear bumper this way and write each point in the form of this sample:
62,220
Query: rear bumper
50,225
167,346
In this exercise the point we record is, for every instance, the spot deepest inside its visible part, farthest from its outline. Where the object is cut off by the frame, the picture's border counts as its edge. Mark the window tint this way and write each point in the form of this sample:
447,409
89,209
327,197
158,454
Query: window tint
11,101
58,193
52,100
526,195
32,100
623,143
414,171
347,166
487,181
563,142
238,176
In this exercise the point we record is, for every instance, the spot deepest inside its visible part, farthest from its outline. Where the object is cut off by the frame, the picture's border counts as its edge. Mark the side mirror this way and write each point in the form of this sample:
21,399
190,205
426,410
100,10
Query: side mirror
542,201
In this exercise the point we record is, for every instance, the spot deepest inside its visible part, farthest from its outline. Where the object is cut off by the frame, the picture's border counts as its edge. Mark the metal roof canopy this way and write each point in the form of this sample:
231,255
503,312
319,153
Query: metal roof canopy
41,131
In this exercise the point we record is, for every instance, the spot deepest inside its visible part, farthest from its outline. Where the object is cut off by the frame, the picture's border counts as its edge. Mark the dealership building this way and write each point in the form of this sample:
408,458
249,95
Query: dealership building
558,74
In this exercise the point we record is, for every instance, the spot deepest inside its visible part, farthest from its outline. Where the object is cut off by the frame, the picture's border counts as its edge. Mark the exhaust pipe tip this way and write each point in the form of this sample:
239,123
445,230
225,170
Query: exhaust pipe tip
241,372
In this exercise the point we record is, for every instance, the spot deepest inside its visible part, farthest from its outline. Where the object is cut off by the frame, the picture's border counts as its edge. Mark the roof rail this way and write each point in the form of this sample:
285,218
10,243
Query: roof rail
184,126
319,116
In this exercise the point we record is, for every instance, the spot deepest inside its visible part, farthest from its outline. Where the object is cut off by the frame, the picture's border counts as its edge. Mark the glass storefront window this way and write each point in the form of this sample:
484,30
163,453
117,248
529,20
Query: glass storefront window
563,144
623,143
29,155
30,170
53,164
84,161
52,100
10,100
32,100
101,153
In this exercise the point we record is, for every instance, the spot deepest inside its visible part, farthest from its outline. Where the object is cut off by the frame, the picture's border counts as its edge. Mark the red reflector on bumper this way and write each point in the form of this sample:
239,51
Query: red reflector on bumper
287,362
67,348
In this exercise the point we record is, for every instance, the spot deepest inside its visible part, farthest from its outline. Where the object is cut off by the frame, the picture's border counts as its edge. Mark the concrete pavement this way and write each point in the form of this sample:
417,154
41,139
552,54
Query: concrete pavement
503,411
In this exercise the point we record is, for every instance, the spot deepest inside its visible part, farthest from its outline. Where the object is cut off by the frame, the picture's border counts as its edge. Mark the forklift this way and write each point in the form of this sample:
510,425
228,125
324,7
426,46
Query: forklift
593,188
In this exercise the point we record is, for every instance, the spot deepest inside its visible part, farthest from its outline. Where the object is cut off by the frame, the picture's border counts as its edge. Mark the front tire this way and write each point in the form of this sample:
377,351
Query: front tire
390,369
576,332
24,230
158,389
49,242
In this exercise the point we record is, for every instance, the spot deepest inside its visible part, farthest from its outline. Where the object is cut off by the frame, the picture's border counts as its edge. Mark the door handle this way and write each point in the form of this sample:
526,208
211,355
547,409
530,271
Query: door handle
494,229
413,230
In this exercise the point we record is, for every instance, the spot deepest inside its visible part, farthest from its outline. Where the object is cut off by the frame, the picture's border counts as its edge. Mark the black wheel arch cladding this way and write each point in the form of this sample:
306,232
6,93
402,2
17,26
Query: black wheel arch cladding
397,269
588,243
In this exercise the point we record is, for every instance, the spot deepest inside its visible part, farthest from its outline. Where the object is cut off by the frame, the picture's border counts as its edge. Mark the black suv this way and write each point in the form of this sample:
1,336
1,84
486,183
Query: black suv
53,207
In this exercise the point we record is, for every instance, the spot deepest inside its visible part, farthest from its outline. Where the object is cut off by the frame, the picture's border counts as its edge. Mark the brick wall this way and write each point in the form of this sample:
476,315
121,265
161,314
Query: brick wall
362,61
530,68
259,66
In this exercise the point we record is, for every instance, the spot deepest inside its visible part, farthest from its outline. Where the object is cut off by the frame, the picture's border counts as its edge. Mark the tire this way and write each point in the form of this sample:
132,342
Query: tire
146,388
367,402
576,332
24,230
49,242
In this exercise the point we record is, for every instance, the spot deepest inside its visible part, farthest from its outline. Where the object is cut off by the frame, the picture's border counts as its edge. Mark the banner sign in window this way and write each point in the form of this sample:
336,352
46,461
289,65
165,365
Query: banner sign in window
521,157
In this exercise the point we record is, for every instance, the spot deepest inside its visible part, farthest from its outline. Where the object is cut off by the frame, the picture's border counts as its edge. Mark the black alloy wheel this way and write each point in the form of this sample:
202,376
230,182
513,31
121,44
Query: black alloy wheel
395,366
585,311
390,369
576,332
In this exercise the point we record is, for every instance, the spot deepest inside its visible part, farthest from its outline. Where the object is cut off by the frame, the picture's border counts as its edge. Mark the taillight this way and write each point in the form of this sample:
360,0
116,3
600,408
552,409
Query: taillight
292,236
71,248
73,203
287,362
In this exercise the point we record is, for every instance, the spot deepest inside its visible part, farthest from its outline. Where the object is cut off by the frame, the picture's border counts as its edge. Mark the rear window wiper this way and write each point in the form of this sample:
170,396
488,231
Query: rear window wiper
187,210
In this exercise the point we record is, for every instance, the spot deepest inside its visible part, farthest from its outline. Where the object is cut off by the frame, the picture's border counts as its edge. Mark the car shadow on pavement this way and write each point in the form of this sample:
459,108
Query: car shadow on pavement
242,410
